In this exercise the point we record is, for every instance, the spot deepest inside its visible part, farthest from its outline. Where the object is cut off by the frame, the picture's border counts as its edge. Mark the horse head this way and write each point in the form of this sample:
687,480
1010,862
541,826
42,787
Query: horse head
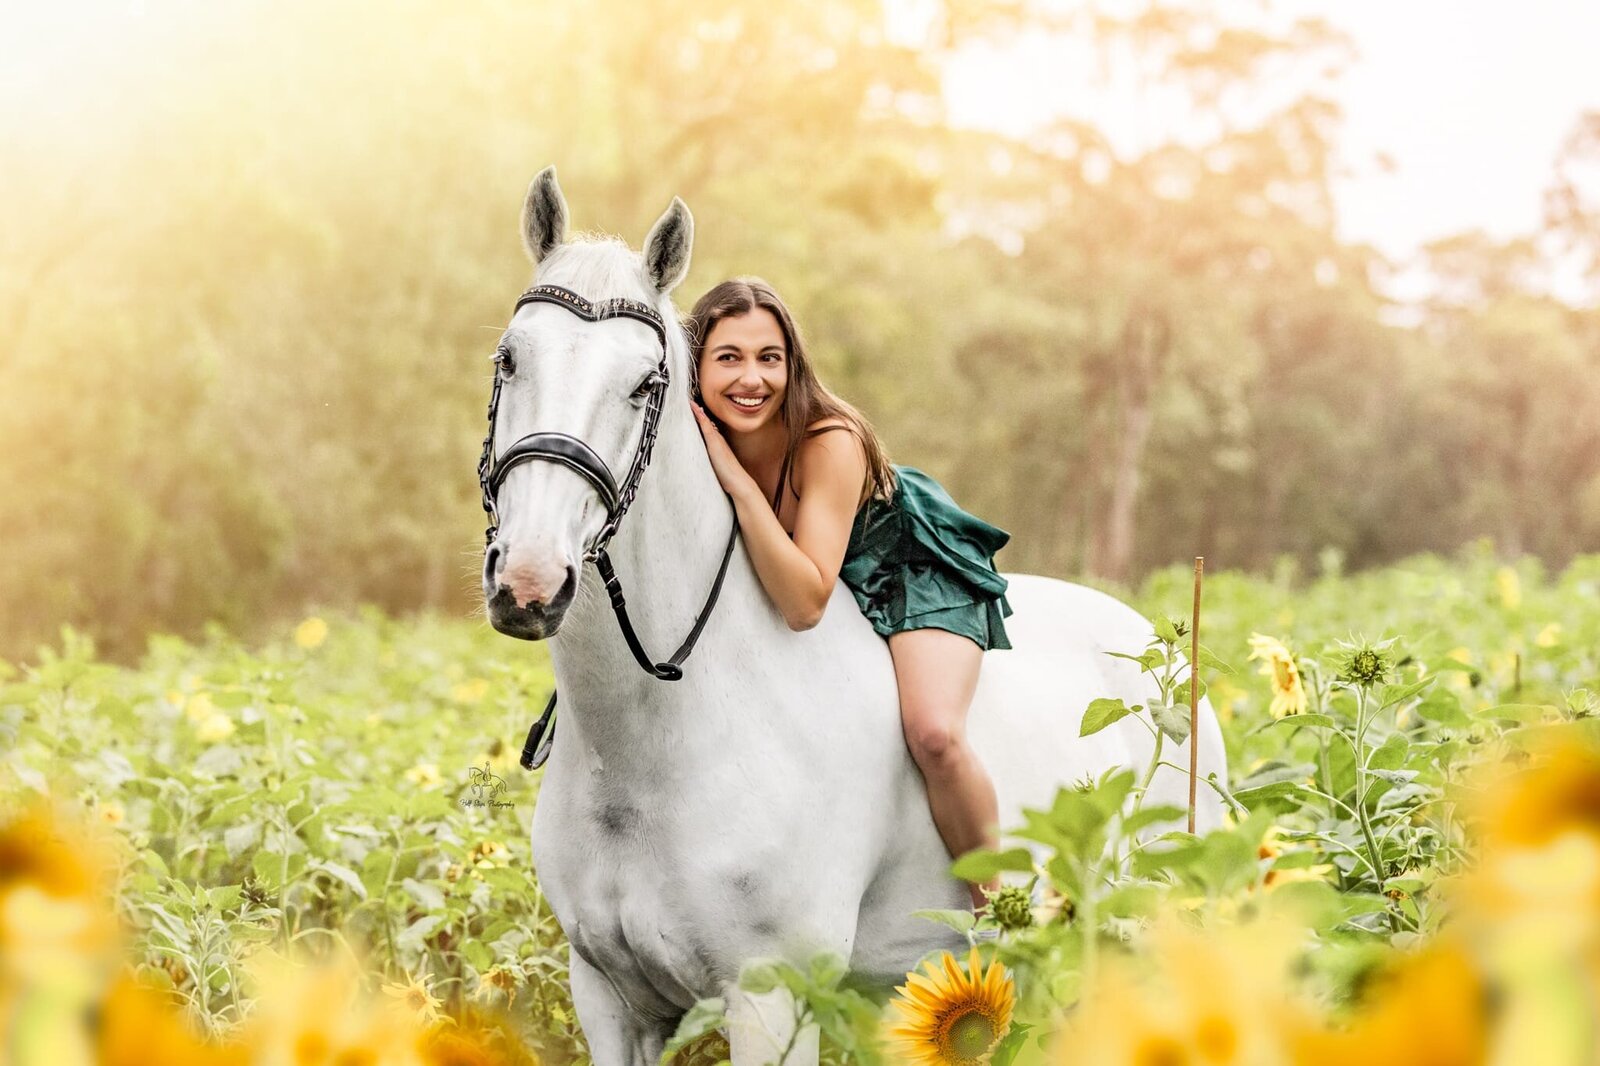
578,370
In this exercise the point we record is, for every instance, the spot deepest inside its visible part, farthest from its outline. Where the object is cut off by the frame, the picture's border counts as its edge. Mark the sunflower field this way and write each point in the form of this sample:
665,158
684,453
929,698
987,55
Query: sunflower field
315,850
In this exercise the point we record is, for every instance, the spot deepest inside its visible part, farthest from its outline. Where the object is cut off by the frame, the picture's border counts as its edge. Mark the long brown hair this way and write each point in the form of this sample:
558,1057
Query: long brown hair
805,399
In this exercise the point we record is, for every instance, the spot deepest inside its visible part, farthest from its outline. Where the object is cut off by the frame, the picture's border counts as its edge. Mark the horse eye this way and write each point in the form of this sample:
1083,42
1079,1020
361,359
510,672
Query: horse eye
648,384
503,361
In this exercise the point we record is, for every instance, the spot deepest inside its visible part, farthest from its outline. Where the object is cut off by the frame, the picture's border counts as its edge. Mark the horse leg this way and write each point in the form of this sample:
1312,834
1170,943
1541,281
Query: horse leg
616,1036
761,1027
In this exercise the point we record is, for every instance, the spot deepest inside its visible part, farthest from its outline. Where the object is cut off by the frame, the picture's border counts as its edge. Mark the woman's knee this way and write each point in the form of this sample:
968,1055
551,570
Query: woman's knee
934,744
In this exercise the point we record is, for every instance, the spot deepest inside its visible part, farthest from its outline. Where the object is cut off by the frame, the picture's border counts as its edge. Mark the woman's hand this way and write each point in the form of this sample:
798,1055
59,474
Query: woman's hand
735,479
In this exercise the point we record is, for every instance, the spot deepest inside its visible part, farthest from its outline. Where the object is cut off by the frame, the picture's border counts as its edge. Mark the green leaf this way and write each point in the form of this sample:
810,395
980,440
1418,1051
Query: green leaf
1315,904
1444,707
1304,721
1210,661
1274,773
1390,695
961,921
1147,660
1145,817
478,954
418,931
1132,901
349,877
1527,713
1005,1052
1227,860
1173,720
429,896
759,977
1391,754
706,1016
268,867
241,838
982,864
1103,712
1165,630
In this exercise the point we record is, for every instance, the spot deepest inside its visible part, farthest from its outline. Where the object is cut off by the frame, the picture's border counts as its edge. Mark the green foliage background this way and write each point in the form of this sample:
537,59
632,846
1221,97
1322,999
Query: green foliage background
254,265
333,811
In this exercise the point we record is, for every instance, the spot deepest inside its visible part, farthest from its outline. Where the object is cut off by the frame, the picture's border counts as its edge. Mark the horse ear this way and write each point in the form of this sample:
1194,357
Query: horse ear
666,250
544,216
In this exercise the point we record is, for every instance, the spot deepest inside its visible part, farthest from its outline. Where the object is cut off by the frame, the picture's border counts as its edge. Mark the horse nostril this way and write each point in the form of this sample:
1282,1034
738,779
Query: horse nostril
492,559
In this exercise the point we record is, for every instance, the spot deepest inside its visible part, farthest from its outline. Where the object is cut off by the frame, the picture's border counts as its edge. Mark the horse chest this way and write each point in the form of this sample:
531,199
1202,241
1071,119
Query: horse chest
626,900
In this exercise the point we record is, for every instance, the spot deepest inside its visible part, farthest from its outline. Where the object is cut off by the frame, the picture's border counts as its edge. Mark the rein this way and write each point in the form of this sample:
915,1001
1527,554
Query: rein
574,454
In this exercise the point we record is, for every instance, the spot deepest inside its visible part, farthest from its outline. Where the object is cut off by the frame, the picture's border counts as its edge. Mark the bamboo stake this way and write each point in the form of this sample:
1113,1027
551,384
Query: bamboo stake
1194,689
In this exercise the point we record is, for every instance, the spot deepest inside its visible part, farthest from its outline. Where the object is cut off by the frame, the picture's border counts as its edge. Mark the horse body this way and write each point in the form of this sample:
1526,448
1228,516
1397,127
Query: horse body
765,804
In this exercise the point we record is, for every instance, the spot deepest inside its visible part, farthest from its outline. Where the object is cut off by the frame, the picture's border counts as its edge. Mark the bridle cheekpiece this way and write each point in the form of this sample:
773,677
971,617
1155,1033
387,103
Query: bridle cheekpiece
574,454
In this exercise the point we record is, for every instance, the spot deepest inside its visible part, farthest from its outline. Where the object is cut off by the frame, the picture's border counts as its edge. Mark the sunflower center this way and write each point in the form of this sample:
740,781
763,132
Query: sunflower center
969,1036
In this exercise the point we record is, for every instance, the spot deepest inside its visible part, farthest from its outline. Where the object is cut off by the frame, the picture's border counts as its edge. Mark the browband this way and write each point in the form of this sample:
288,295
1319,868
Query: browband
594,312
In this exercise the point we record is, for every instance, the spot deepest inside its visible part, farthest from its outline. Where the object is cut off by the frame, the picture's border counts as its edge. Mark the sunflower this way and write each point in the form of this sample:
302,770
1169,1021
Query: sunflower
1288,695
953,1016
416,995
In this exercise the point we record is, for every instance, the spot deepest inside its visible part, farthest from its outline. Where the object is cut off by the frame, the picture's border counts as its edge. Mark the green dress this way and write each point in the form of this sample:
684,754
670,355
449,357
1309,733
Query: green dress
918,561
914,561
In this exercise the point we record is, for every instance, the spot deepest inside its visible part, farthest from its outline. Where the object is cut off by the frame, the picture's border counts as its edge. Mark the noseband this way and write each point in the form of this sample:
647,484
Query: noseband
574,454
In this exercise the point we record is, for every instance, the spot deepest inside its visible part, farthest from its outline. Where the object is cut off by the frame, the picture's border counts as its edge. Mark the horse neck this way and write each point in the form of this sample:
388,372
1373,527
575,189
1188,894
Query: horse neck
666,554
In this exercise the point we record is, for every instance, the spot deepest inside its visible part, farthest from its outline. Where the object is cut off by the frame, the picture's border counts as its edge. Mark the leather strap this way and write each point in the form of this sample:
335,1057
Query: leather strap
565,449
537,747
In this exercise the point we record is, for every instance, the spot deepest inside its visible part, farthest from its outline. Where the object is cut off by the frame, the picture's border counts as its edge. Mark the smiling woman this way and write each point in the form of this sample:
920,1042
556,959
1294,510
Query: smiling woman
816,506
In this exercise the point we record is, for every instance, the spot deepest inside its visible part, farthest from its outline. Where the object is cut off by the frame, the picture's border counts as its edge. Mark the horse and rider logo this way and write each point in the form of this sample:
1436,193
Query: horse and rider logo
486,788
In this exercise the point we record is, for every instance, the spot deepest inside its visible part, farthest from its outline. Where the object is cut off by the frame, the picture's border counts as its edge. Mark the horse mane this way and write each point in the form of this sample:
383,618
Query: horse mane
599,267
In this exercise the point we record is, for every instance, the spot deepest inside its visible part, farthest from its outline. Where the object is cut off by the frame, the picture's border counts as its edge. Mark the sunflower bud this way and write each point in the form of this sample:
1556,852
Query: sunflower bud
1012,908
1365,666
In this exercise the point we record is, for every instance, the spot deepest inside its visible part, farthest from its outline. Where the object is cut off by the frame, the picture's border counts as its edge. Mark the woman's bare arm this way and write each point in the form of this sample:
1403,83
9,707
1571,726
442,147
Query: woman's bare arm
799,574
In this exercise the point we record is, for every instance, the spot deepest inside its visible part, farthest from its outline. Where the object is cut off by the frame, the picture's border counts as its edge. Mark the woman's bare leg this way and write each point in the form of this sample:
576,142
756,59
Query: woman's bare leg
938,672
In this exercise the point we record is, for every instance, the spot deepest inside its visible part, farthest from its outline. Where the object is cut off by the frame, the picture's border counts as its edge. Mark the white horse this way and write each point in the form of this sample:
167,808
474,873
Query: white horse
765,804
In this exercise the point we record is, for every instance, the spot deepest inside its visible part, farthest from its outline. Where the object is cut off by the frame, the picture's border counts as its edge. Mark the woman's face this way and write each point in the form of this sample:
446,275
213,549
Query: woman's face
744,370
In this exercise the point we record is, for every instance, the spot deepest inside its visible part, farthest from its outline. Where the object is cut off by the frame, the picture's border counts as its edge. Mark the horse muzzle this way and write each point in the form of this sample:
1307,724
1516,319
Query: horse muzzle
526,597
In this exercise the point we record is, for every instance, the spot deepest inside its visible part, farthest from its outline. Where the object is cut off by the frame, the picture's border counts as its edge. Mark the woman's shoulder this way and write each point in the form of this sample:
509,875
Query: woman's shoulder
838,453
823,425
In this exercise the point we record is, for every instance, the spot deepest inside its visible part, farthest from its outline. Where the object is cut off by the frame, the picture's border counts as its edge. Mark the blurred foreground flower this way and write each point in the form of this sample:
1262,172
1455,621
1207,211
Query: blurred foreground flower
953,1016
1288,694
1537,884
139,1026
58,938
311,633
62,1003
1429,1010
1213,999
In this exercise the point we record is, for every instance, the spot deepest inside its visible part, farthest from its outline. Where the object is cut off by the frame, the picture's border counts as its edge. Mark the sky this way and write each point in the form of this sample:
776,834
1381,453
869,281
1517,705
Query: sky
1470,99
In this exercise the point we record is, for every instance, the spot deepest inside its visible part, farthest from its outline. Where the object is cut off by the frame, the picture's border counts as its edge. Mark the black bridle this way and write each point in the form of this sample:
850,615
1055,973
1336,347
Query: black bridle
574,454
